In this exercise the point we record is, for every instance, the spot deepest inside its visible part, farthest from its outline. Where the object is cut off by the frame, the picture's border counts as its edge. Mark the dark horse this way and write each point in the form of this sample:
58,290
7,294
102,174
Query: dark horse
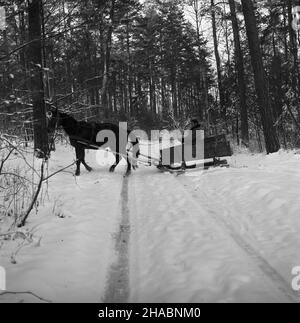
83,135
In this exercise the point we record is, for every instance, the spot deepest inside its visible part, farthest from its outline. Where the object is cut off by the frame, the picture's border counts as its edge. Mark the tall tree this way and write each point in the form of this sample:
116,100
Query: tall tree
271,138
196,8
293,44
37,82
240,75
107,59
218,59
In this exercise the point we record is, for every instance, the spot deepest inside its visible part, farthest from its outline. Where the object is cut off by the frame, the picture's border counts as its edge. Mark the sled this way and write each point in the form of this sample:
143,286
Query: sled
215,148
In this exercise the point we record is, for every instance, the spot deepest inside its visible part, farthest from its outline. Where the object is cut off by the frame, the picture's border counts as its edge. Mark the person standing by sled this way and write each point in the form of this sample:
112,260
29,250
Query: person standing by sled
191,139
195,125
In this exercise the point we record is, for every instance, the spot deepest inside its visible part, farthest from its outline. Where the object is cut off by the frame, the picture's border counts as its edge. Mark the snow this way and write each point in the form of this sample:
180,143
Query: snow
222,235
76,248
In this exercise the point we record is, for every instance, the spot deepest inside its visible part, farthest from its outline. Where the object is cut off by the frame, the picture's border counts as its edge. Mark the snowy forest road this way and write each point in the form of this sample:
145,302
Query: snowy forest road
185,247
222,235
217,212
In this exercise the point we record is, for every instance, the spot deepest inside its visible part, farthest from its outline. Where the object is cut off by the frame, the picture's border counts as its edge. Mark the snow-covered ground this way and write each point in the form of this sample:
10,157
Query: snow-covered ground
76,225
222,235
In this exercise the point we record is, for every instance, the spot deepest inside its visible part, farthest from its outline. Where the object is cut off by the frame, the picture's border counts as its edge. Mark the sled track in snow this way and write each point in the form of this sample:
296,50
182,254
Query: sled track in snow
271,273
117,290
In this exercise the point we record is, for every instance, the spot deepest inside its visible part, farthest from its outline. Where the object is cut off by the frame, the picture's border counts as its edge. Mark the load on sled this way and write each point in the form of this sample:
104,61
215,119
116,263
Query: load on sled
196,151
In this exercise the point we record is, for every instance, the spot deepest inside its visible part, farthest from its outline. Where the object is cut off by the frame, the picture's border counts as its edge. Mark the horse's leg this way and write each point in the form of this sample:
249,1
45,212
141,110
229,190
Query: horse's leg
118,159
79,155
87,167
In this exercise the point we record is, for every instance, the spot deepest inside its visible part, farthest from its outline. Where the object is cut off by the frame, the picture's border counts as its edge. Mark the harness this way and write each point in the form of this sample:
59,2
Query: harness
87,143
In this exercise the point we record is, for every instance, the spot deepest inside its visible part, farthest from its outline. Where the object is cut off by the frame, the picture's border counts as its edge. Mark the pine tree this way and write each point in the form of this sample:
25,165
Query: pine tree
271,138
37,83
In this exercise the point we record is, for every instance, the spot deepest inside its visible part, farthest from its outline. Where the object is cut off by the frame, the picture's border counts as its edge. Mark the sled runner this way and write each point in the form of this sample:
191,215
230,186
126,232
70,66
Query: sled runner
205,166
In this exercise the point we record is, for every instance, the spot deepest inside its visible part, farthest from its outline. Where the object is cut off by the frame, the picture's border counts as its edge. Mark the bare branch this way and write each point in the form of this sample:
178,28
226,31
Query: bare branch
23,293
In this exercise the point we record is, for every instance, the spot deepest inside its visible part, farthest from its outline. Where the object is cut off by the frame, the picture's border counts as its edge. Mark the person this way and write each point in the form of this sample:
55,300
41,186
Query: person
195,124
191,139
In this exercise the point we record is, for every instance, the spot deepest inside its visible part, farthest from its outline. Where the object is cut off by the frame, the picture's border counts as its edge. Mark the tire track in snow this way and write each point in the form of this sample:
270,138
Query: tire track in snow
260,262
117,290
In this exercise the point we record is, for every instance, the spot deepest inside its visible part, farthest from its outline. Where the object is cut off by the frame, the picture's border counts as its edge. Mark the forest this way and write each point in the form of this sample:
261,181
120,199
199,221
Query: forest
91,212
233,65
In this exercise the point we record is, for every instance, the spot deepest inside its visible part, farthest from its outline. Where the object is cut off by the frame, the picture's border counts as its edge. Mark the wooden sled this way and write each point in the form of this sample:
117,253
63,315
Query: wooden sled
215,148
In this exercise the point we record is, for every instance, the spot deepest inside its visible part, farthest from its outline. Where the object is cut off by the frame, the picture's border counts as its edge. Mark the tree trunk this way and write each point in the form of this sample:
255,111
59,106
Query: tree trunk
174,93
218,60
241,75
104,91
203,69
293,44
22,39
129,65
271,138
37,85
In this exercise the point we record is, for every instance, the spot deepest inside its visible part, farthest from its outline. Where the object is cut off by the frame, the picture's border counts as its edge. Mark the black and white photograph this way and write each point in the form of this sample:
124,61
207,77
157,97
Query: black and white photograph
149,153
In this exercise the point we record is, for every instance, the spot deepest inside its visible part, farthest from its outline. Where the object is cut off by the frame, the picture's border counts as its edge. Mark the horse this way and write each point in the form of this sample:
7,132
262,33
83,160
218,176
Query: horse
84,136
